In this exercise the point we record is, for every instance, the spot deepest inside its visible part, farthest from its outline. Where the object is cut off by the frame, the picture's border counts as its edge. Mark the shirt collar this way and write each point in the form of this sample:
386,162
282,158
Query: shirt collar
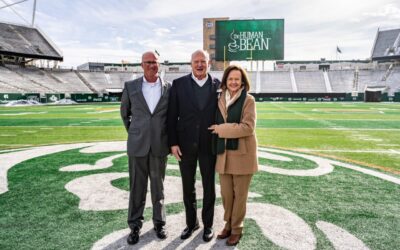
200,82
152,84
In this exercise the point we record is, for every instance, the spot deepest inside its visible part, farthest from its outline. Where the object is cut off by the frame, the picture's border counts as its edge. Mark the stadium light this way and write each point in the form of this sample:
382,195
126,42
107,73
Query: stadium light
33,13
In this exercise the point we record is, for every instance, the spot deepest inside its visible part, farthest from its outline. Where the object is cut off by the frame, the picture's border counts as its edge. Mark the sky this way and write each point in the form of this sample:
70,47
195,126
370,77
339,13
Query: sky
116,30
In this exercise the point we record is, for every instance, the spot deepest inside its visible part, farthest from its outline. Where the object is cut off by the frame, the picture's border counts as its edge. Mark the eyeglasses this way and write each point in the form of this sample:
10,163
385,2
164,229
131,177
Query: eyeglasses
150,62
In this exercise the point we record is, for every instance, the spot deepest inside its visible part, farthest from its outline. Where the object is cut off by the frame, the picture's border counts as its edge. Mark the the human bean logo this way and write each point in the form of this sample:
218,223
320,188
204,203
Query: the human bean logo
248,41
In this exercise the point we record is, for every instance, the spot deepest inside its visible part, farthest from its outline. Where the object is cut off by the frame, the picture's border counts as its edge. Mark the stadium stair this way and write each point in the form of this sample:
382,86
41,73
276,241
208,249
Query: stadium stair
387,73
355,80
86,82
293,81
52,76
327,82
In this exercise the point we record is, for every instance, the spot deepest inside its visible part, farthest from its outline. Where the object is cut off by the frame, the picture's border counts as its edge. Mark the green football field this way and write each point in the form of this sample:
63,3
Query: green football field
329,178
368,134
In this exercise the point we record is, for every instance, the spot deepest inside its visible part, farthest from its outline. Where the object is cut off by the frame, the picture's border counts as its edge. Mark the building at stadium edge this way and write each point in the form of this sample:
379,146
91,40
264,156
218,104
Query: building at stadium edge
29,67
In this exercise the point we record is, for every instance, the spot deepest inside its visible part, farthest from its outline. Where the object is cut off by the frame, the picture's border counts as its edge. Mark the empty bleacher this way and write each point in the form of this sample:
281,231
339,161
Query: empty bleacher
170,76
275,82
370,78
15,79
393,81
341,80
24,84
98,80
253,81
218,74
7,88
118,78
310,81
70,81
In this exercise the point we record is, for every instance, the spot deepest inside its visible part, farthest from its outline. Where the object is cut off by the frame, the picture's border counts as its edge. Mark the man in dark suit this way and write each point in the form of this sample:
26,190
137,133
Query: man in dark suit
191,110
144,106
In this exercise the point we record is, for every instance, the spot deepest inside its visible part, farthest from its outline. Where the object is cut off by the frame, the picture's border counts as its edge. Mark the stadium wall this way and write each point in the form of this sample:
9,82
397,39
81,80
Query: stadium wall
260,97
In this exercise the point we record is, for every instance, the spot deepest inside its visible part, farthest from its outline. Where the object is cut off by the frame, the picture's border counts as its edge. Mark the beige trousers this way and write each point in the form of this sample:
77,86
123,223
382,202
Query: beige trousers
234,192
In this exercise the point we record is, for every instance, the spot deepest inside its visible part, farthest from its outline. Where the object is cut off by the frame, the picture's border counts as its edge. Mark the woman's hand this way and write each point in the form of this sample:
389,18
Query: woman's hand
213,129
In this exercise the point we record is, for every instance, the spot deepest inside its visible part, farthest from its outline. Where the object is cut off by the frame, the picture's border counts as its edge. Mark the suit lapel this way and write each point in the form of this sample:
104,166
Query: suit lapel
213,91
163,87
190,92
141,96
163,91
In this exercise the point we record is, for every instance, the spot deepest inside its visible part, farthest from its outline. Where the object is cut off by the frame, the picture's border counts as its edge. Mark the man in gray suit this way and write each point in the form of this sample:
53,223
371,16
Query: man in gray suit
144,106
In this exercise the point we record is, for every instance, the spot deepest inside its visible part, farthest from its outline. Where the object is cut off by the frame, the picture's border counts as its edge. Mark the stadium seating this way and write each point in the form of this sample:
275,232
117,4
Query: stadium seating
394,81
118,78
341,80
170,76
6,88
96,79
275,82
70,80
310,81
19,81
370,78
15,79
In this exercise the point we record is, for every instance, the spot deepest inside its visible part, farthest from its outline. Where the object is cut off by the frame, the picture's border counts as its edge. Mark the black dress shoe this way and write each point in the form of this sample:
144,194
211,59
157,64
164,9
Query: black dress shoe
208,234
133,237
189,231
160,232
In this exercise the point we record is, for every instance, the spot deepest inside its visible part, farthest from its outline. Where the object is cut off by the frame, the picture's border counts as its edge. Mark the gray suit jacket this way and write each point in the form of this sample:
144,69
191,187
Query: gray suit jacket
145,130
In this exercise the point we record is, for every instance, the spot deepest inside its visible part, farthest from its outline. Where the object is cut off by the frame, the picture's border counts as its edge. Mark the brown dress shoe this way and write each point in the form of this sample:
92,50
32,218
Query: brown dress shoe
233,239
224,234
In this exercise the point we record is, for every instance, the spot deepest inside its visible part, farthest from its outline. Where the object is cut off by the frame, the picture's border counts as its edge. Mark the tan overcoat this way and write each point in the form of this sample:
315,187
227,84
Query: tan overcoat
244,160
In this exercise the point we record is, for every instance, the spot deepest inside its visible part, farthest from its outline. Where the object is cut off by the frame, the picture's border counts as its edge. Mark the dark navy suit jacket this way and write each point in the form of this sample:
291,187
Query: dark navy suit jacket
187,125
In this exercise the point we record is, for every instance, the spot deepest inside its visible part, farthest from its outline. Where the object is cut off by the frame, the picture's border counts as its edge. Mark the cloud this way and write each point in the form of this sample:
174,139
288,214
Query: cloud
389,11
113,30
161,31
74,55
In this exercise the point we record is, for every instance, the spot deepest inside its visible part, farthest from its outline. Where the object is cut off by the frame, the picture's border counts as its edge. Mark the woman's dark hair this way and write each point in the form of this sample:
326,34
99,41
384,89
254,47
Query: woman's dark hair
245,78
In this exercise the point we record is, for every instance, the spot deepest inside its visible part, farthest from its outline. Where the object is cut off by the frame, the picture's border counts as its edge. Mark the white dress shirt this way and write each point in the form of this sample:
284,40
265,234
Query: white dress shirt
152,93
200,82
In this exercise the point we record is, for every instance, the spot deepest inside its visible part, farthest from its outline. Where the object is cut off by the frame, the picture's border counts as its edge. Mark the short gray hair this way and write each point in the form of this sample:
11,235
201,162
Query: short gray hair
204,52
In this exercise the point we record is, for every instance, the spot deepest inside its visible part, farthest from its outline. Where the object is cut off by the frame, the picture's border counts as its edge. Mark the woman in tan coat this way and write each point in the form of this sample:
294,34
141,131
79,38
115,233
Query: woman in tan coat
236,147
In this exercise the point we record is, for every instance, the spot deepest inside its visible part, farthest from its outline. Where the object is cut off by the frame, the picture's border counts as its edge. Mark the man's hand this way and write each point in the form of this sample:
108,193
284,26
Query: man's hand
176,151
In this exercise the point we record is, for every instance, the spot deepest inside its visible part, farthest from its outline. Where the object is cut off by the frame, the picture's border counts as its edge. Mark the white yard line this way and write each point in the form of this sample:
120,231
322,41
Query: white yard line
24,113
386,151
103,111
371,139
336,128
